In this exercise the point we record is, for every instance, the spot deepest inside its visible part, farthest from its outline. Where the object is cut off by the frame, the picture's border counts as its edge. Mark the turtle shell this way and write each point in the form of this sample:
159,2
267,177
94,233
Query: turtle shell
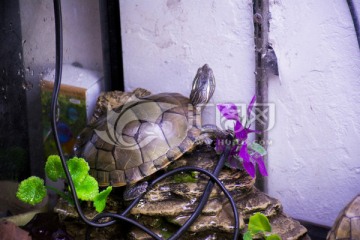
347,224
138,138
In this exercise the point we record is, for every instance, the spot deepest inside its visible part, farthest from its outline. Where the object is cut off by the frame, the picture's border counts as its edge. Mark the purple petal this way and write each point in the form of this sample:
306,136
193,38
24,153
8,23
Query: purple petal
261,165
243,134
229,111
247,164
243,153
238,126
249,167
250,107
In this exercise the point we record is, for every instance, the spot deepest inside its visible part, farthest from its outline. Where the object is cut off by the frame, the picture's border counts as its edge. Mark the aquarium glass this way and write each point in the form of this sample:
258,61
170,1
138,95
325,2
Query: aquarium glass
27,50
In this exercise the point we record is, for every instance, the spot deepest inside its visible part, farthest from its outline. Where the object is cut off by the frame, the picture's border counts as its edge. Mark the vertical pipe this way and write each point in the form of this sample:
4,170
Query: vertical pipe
355,19
111,43
261,29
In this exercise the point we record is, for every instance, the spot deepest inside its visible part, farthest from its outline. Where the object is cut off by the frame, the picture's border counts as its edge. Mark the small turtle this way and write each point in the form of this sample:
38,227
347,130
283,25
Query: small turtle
347,224
143,133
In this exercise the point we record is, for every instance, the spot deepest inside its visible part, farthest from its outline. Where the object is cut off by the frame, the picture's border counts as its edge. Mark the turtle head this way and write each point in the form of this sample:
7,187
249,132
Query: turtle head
203,86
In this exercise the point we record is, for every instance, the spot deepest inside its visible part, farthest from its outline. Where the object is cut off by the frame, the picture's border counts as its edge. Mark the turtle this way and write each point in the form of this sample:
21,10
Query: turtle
138,133
347,224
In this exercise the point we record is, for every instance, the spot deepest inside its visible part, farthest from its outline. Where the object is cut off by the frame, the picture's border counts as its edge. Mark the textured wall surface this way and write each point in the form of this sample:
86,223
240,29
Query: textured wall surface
314,163
164,43
315,157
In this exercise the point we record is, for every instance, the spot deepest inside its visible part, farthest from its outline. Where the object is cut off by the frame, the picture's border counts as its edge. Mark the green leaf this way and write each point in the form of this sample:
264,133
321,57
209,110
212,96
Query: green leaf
258,148
53,168
78,169
100,199
259,223
247,236
31,190
273,237
87,189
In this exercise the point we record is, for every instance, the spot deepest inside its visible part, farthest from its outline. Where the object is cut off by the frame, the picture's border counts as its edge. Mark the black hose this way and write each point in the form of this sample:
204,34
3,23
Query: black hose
205,197
122,216
197,212
55,94
355,19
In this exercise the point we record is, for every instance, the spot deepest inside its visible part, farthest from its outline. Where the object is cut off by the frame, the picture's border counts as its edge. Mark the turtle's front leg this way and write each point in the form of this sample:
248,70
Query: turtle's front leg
210,132
132,191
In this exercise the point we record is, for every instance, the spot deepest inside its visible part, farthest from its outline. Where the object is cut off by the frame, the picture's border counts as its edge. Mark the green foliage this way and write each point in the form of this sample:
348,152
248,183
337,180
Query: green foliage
53,168
78,169
100,199
259,225
87,189
258,148
247,236
31,190
273,237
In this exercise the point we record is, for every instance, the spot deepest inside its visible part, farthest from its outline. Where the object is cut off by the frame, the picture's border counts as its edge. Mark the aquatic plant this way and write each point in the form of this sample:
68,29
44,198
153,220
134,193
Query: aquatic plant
241,152
32,190
259,226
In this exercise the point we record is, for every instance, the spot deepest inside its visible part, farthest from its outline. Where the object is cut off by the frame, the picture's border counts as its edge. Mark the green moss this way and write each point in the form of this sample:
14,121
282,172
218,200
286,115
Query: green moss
186,178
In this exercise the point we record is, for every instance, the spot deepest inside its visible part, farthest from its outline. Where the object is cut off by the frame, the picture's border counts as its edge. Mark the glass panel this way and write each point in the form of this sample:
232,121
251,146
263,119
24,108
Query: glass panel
27,60
14,149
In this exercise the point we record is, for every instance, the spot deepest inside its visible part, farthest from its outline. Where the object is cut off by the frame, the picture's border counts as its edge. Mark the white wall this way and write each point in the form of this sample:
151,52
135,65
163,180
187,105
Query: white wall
165,42
313,159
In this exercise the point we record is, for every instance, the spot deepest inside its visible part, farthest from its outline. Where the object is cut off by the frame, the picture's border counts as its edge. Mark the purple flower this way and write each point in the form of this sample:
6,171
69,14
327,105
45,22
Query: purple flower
241,133
260,163
248,165
249,161
230,112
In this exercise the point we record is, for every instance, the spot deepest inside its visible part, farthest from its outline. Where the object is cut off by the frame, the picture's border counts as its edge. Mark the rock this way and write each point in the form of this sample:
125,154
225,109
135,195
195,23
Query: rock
173,201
